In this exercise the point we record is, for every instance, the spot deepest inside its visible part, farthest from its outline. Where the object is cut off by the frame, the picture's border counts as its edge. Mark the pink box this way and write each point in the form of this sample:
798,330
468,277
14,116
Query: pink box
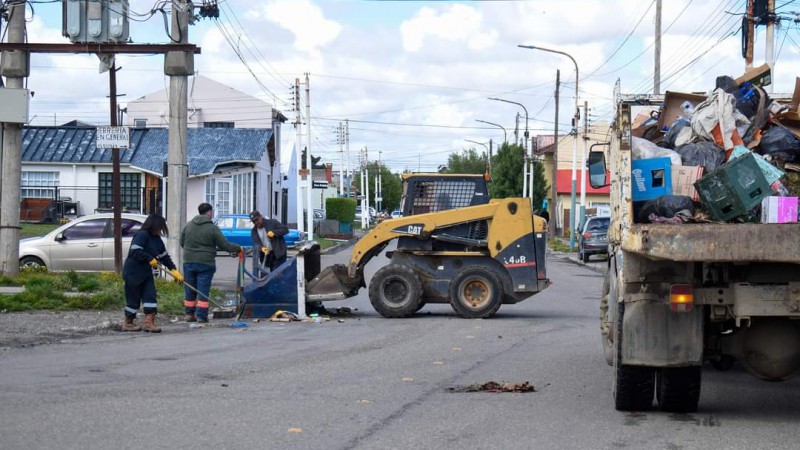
779,210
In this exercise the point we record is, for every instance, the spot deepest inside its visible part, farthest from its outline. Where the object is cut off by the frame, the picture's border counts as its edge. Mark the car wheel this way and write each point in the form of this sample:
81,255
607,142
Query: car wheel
31,262
585,257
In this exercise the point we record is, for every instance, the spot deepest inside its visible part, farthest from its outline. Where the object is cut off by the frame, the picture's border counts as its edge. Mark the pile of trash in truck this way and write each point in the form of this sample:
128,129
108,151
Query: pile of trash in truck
731,156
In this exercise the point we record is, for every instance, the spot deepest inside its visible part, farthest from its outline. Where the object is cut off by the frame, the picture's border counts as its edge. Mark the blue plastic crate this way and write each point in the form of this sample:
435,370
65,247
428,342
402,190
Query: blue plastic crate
651,178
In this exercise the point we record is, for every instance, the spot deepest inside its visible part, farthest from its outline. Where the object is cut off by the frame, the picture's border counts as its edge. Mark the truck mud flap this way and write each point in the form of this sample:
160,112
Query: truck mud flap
657,337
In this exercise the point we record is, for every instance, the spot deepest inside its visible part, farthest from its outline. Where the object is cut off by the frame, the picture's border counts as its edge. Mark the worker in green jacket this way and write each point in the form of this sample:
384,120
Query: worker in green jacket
200,239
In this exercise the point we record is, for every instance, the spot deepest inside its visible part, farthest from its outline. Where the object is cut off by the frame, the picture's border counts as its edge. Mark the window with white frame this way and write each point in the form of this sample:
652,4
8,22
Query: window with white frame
231,195
39,184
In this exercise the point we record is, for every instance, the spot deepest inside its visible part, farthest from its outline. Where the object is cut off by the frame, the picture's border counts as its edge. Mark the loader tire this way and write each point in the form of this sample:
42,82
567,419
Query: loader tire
395,291
634,386
476,293
678,389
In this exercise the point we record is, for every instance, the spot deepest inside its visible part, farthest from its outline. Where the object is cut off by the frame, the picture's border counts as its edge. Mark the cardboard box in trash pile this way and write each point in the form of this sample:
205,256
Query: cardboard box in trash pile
683,179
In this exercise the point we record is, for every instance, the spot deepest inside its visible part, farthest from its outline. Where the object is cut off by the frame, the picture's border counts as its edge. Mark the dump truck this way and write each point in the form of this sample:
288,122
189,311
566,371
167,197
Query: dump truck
678,295
454,245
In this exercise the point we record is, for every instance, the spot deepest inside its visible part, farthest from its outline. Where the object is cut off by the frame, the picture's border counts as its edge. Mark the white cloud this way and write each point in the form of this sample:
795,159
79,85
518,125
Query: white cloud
306,20
453,23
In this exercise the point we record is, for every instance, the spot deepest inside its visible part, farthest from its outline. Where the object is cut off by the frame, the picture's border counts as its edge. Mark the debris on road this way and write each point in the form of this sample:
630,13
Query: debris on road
494,386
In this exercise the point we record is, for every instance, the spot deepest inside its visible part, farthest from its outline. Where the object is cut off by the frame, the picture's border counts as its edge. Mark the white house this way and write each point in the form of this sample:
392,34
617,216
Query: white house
215,105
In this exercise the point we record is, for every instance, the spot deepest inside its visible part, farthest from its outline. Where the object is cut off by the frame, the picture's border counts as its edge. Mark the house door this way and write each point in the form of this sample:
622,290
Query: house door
223,198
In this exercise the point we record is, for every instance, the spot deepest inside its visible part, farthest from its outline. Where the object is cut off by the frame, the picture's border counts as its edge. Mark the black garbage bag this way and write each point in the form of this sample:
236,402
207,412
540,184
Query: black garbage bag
679,133
727,84
665,209
706,154
780,143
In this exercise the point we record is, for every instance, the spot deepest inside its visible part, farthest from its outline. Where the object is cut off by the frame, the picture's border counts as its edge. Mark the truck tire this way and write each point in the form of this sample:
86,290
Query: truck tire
476,293
607,301
395,291
633,385
678,389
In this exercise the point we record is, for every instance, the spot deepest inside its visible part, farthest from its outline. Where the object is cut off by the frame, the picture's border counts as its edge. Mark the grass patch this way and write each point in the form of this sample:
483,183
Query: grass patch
36,229
325,243
102,291
557,245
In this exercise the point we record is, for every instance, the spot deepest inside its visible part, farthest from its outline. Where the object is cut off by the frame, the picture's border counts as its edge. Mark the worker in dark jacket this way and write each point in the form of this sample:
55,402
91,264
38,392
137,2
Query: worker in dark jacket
200,239
268,239
146,250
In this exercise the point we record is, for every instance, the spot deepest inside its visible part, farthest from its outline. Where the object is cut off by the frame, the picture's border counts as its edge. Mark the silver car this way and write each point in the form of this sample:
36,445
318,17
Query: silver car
85,244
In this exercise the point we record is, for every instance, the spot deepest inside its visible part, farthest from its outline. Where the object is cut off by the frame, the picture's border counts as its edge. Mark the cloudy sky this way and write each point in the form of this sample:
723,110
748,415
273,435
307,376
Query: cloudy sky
413,77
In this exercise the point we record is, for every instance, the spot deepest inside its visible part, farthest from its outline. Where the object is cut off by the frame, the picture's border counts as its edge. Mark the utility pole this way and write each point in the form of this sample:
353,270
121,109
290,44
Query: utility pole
15,68
516,129
583,160
751,31
309,178
115,172
178,65
340,140
379,204
657,52
348,175
770,38
298,155
554,177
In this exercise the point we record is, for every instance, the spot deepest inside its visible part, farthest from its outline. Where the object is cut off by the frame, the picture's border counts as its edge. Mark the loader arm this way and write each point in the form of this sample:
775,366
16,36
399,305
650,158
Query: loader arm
421,226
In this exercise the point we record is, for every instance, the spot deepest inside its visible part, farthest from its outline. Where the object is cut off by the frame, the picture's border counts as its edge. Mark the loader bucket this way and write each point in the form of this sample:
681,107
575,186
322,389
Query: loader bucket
333,284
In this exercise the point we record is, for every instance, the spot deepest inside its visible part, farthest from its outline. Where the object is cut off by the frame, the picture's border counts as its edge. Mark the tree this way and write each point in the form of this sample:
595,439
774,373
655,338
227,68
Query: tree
315,164
507,173
391,186
468,161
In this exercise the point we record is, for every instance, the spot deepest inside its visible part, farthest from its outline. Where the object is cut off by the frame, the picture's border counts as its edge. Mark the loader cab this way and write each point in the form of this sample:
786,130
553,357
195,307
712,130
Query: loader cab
433,192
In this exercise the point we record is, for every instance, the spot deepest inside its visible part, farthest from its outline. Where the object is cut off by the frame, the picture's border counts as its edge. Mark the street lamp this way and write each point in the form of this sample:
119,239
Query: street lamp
505,134
488,154
525,146
574,146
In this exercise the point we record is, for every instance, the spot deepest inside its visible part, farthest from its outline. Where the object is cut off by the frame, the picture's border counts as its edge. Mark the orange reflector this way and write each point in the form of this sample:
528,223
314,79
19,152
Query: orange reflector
681,297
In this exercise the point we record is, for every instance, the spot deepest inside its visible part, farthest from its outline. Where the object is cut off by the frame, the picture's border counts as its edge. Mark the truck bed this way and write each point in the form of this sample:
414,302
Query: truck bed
715,242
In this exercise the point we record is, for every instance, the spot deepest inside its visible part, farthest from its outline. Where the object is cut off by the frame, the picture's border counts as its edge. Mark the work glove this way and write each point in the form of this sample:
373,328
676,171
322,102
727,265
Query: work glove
265,250
270,234
153,262
177,275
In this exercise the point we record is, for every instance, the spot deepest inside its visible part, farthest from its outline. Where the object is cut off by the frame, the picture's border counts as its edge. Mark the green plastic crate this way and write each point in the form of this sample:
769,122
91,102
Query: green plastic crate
733,189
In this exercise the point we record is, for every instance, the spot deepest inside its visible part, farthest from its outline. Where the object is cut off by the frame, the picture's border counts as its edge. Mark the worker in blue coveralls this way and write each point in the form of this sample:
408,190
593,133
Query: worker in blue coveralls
146,251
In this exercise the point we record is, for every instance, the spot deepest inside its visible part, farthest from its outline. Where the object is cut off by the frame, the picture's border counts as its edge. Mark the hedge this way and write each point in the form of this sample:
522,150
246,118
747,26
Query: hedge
341,209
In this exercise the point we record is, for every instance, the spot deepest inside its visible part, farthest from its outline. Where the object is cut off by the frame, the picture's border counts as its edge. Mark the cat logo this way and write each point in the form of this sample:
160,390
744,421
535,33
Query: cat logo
413,229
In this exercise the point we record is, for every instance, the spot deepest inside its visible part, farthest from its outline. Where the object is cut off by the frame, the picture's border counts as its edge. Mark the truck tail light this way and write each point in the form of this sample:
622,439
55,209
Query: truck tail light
681,297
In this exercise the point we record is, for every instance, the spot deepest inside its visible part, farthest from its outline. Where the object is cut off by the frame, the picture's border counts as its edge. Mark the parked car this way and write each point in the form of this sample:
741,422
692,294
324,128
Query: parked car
85,244
397,213
593,239
236,228
371,216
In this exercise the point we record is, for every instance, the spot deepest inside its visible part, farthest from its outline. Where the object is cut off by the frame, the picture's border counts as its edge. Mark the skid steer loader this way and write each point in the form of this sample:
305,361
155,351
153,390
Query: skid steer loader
454,246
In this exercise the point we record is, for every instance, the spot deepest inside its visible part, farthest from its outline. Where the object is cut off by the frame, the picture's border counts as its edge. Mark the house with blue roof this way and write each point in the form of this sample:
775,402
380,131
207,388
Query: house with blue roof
234,154
230,168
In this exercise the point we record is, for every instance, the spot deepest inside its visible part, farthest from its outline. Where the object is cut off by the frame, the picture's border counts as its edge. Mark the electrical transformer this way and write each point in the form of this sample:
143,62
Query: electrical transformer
95,21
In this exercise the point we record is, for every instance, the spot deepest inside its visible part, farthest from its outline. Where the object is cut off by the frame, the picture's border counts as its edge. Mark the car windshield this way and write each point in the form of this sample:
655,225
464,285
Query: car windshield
598,224
225,222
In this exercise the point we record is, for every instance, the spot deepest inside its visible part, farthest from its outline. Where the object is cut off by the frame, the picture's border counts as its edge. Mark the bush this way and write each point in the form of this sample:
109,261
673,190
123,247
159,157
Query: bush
341,209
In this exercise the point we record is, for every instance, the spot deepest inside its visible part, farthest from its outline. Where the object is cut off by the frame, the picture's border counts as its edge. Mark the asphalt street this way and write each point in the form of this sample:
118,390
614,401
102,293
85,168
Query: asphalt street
373,383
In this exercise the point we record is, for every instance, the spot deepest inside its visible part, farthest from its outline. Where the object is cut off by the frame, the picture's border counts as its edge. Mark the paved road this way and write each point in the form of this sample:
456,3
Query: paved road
372,383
